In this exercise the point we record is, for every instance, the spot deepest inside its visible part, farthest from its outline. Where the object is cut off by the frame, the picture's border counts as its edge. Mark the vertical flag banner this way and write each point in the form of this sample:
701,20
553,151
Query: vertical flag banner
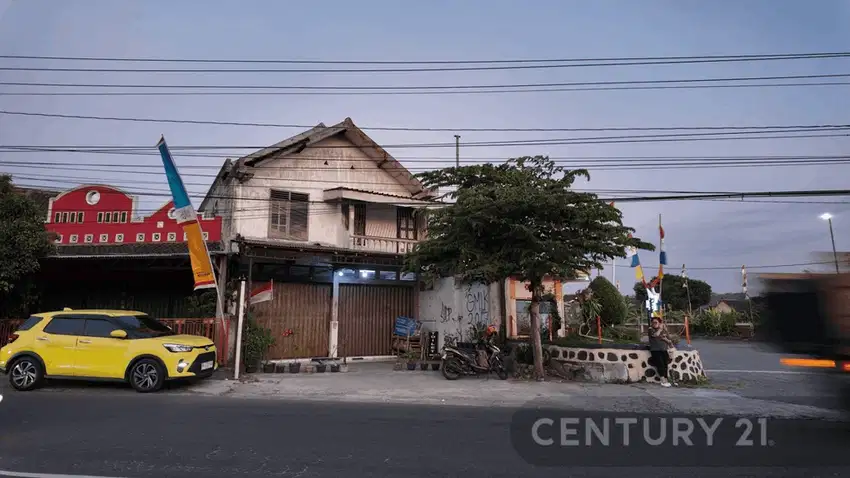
684,277
634,260
186,216
744,281
662,259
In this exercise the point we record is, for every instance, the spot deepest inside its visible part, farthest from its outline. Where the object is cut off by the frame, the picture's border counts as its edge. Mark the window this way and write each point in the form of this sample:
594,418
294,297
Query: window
184,237
124,216
288,215
143,326
64,326
172,236
64,217
100,217
72,217
107,217
104,238
359,219
388,275
160,224
140,237
89,238
57,217
157,237
99,328
406,223
119,237
58,239
80,216
206,236
29,323
74,238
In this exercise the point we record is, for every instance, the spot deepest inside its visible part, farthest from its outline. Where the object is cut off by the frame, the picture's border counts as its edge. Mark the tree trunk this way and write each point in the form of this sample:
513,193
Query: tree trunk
537,347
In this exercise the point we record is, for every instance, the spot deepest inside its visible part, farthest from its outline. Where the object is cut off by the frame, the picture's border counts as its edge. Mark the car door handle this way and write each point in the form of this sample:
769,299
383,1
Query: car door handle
84,341
43,339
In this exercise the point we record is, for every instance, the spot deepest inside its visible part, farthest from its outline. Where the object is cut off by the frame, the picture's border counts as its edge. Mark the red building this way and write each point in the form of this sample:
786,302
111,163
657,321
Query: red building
98,214
111,256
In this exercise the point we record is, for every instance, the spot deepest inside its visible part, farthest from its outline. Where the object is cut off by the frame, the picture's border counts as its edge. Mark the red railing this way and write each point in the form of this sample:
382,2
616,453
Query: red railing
7,327
202,327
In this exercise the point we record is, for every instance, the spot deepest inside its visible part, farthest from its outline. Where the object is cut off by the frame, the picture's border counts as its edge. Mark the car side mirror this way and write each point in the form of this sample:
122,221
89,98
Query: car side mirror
118,334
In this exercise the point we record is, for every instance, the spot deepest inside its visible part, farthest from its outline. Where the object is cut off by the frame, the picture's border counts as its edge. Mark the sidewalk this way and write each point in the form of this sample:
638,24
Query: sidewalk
379,383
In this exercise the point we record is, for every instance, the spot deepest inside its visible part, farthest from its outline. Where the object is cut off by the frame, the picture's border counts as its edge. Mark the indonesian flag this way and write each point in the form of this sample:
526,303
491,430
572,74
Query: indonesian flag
263,293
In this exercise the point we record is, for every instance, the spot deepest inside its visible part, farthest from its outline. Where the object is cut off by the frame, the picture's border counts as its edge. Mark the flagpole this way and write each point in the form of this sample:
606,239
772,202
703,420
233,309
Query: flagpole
614,272
660,272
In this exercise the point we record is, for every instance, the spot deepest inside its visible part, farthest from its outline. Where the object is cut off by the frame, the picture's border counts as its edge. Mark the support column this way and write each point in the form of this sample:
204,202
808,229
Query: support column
333,335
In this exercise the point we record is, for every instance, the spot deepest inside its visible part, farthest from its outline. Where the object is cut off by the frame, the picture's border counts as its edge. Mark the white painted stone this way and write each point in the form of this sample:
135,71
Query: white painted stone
686,365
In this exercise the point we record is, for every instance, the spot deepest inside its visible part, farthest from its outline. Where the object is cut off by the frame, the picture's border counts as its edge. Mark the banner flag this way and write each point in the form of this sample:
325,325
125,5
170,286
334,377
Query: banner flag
186,216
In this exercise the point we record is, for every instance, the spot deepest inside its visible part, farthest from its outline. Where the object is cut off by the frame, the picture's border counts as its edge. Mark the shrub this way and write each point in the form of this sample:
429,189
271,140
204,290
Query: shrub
613,305
715,324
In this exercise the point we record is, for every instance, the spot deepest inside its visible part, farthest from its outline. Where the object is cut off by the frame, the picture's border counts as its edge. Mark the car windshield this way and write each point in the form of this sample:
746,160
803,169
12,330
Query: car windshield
143,326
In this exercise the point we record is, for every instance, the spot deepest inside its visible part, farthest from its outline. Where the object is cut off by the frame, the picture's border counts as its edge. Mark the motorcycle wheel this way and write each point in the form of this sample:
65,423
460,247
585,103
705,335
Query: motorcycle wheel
452,368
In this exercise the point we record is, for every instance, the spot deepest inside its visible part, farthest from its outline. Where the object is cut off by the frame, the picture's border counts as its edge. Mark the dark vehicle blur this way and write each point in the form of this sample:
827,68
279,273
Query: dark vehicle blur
807,318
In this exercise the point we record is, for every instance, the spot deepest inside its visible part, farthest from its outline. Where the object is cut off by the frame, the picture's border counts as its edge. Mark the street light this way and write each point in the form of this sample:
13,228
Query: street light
828,217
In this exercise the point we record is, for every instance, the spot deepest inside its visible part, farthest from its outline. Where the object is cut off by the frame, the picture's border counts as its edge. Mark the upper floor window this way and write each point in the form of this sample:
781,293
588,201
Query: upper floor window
288,215
406,221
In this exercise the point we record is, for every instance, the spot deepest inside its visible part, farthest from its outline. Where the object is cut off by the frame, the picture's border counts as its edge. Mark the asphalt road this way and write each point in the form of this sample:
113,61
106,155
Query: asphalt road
99,432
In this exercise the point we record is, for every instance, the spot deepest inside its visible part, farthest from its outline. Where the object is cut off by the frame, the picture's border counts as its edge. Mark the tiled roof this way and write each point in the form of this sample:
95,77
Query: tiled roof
129,250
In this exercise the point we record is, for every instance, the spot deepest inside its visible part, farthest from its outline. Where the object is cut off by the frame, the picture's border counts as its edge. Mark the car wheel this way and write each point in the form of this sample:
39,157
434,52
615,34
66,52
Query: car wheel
147,376
25,374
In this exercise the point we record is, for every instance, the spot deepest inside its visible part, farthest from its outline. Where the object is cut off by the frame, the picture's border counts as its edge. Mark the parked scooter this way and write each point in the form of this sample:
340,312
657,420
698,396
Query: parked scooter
485,359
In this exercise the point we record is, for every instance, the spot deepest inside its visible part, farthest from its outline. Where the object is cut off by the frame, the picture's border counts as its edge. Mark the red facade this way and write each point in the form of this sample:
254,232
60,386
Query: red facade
97,214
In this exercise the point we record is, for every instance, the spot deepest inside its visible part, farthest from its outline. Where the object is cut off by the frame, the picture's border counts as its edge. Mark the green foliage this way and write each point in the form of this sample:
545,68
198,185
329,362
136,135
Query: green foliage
520,219
257,341
554,311
203,304
590,308
715,324
613,307
23,243
675,295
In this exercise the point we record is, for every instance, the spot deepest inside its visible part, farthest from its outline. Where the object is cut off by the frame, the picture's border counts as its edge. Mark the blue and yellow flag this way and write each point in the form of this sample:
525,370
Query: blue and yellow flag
186,216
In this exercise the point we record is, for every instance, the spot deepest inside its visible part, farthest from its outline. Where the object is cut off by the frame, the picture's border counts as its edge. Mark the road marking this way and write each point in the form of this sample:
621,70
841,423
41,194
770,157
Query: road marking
19,474
777,372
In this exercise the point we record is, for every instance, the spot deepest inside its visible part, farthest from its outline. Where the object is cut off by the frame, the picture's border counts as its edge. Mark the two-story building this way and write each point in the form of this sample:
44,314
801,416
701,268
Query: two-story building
110,255
325,216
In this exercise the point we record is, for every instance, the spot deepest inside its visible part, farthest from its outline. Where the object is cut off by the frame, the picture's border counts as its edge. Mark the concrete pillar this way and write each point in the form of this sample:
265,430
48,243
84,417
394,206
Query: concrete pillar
333,335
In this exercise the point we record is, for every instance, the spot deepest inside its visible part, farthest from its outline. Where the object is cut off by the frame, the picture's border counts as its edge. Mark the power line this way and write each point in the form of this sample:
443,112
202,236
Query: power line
415,93
567,63
424,87
738,267
652,138
750,57
415,129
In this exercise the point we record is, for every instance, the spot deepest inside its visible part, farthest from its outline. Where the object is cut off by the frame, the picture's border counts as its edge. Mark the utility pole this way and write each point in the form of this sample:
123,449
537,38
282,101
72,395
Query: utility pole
457,150
828,218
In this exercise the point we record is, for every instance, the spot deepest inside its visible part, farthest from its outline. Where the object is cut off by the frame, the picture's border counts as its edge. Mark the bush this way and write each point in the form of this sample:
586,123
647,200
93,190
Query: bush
613,305
257,341
715,324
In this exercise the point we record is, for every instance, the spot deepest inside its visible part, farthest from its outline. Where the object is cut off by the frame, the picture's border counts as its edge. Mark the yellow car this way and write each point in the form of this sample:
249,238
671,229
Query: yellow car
103,345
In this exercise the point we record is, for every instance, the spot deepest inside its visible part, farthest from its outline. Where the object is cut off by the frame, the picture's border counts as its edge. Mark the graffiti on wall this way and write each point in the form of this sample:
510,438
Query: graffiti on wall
478,306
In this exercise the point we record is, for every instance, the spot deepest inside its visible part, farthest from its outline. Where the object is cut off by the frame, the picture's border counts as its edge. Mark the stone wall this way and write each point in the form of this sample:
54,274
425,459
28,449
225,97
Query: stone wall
622,365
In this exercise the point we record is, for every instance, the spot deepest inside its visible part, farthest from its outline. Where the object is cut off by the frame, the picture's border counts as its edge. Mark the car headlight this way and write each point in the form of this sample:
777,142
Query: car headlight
177,348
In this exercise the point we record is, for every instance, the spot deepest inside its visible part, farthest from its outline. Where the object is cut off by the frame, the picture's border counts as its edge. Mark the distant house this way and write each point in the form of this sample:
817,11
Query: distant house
727,305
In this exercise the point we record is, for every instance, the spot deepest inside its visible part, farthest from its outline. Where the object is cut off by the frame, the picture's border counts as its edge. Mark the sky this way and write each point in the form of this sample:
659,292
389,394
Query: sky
713,238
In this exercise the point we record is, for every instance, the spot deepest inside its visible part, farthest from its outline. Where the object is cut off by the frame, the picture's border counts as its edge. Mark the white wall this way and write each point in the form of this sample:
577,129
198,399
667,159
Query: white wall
451,308
307,173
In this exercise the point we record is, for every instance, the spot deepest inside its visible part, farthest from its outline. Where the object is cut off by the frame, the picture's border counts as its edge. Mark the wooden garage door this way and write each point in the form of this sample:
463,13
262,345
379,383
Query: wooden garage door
304,308
366,317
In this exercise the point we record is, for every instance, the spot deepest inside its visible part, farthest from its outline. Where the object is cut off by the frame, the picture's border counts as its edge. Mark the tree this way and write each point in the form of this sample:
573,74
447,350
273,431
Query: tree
23,242
674,293
521,220
614,307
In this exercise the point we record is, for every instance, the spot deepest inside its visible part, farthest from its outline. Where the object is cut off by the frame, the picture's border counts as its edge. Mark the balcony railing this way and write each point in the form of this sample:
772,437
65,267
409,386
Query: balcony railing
383,244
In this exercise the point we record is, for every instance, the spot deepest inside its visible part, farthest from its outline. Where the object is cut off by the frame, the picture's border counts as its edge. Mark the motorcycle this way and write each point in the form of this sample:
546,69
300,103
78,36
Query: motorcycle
457,362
